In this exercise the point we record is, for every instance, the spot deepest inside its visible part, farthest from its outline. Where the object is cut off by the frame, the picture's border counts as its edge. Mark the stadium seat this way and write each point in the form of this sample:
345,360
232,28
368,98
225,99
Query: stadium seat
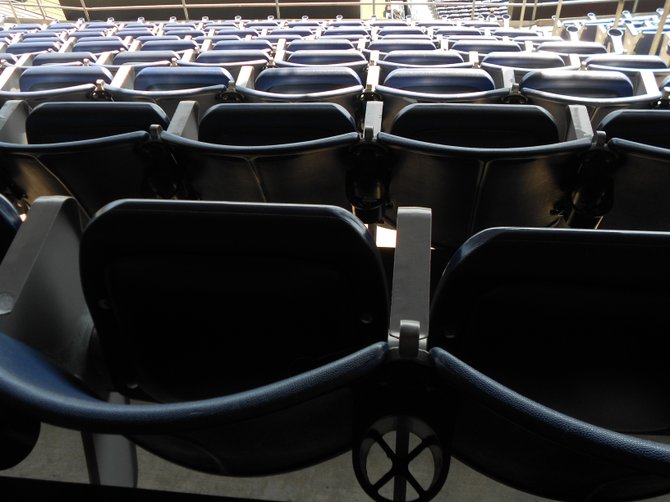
53,82
207,412
345,58
437,85
629,64
622,186
144,58
316,84
169,45
416,59
102,154
47,58
274,152
232,60
600,91
320,44
520,62
167,86
533,330
484,165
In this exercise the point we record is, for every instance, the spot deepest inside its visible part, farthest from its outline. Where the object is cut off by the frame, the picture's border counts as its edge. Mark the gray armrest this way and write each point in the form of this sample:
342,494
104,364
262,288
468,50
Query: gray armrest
184,122
410,300
41,299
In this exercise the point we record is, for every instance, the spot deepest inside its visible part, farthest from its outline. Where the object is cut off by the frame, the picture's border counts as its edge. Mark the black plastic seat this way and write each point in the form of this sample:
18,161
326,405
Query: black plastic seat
560,339
600,91
36,84
167,86
521,62
629,64
481,165
345,58
332,84
232,60
102,153
624,186
274,152
207,412
405,86
419,59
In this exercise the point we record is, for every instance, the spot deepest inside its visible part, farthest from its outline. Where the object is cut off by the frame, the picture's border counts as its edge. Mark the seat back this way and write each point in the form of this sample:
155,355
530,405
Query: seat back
550,313
480,165
303,285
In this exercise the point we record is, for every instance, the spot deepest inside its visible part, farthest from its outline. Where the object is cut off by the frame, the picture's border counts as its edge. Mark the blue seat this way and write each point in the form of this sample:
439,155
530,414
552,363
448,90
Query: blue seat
472,164
623,187
167,86
47,58
274,39
630,64
56,82
46,78
134,32
521,62
320,44
303,399
351,32
411,85
582,48
547,390
168,45
484,46
347,58
415,59
169,78
98,46
239,32
233,60
275,152
144,57
236,45
291,32
600,91
386,46
28,47
333,84
101,154
183,32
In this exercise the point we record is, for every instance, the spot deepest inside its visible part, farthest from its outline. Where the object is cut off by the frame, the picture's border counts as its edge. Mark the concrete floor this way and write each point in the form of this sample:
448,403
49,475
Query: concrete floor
59,456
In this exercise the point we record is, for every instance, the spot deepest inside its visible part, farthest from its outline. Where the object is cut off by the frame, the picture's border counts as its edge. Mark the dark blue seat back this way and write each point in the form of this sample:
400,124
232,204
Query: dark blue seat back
306,80
304,285
440,81
160,78
54,77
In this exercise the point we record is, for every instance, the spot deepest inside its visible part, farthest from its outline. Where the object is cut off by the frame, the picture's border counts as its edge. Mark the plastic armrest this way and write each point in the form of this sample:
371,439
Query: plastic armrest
124,78
13,115
184,122
579,123
410,299
41,300
372,123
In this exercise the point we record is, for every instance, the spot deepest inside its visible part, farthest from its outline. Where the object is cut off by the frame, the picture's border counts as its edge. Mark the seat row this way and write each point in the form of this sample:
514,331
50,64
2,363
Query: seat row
453,82
165,297
475,165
